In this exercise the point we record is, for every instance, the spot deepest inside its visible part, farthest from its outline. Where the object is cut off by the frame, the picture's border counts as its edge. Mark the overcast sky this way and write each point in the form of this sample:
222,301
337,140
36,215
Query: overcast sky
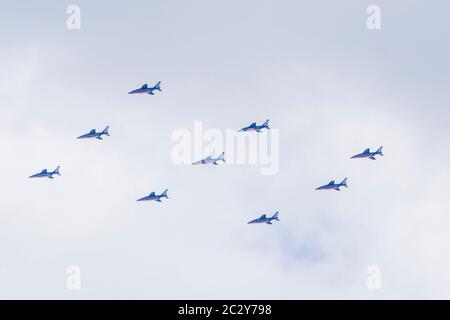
329,84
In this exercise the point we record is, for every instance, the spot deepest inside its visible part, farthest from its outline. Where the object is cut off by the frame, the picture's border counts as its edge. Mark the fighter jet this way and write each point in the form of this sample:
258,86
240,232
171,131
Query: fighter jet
152,196
210,159
333,185
93,134
368,154
146,89
254,127
45,174
264,219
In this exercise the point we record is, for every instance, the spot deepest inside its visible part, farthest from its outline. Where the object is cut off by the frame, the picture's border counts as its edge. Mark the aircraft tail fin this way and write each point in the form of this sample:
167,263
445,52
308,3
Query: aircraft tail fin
266,124
344,183
164,194
380,151
158,86
220,158
57,170
105,131
275,216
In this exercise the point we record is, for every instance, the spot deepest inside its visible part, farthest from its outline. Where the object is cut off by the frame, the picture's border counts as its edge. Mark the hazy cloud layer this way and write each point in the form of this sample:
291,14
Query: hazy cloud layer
331,87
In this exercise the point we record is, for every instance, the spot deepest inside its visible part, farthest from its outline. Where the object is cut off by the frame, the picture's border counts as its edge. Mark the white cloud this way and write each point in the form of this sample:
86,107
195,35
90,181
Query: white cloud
327,105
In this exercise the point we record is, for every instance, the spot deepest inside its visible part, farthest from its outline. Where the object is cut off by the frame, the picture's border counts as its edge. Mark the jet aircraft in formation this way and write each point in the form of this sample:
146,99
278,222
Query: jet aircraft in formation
154,197
252,127
210,159
146,89
46,174
94,134
264,219
255,127
333,185
367,154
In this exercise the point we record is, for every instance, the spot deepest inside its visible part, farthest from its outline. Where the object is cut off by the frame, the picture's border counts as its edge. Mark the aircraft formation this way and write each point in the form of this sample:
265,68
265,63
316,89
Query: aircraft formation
263,219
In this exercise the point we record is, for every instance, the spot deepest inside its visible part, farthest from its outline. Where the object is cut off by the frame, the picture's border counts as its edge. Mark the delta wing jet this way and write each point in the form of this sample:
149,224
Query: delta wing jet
210,159
333,185
367,154
154,197
255,127
264,219
46,174
94,134
146,89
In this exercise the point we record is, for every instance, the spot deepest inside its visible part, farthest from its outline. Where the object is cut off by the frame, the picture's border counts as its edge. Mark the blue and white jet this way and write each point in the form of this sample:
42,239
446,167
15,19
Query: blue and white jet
146,89
264,219
254,127
94,134
367,154
210,159
154,197
333,185
46,174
